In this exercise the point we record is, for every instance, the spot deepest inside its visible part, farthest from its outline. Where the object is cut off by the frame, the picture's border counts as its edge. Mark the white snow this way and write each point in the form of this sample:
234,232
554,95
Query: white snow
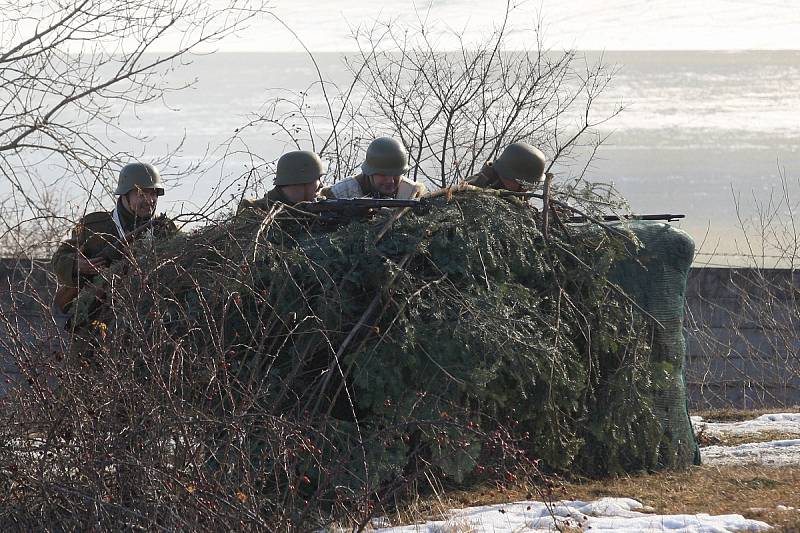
606,514
773,453
625,514
788,423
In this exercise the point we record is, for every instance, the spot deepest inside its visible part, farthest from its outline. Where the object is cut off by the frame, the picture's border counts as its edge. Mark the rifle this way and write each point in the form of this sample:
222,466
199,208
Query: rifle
345,208
667,217
111,252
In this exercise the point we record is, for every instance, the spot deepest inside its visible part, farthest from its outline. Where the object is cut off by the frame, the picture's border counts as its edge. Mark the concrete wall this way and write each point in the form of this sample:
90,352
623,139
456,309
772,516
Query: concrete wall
25,297
743,339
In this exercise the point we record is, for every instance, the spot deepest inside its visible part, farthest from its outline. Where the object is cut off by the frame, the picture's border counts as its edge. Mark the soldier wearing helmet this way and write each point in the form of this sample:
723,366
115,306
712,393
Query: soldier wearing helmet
520,167
296,180
79,257
382,175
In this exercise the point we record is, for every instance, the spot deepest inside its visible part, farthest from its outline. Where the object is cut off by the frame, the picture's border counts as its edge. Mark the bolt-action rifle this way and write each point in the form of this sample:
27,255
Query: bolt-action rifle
667,217
112,251
339,209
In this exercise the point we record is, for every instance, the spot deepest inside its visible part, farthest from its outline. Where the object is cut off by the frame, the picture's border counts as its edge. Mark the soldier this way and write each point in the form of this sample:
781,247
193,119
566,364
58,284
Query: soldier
83,255
296,180
520,167
381,175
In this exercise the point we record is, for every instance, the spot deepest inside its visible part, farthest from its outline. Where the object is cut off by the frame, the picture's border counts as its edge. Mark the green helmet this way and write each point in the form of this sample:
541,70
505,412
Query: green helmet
385,156
139,176
297,168
521,162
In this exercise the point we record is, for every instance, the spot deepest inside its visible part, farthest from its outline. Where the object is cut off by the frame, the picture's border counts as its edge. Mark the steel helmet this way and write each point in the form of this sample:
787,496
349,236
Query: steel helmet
385,156
298,167
141,176
521,162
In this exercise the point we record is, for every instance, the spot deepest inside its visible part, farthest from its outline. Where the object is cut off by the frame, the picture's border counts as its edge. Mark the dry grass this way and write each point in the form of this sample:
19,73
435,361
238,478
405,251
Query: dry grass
753,491
740,415
732,439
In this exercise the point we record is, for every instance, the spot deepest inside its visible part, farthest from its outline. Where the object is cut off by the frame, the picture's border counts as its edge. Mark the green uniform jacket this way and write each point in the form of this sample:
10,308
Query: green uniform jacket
487,178
93,233
274,195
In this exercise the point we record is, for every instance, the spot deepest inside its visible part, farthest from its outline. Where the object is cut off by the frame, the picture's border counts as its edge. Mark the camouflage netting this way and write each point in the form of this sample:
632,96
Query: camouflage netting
417,343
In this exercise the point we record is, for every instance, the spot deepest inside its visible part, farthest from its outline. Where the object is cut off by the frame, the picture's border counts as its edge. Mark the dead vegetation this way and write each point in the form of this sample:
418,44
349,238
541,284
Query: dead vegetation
740,415
770,495
752,491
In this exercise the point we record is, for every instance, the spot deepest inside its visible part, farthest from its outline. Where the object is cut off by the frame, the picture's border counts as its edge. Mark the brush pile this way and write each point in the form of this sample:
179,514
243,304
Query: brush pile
288,368
465,317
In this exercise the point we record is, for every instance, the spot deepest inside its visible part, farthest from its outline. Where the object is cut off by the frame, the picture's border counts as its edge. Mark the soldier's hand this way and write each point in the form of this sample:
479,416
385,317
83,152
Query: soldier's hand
90,266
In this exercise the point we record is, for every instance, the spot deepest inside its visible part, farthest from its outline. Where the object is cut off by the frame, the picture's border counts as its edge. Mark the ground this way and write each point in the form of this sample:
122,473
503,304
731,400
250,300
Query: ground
750,481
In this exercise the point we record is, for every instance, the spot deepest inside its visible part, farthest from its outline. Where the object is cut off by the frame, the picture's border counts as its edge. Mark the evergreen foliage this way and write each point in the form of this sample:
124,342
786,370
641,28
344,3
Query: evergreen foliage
464,316
313,367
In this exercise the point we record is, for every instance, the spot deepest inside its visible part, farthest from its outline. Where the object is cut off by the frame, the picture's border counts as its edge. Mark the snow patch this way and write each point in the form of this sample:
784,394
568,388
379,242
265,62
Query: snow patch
606,514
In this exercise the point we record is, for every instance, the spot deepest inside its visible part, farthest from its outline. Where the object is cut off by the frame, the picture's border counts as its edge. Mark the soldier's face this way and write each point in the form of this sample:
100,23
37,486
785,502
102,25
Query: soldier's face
141,202
301,193
386,185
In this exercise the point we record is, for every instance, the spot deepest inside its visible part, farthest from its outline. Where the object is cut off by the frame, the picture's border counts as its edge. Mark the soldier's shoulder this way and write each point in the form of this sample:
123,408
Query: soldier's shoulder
326,193
98,217
419,187
476,180
165,226
408,189
350,187
486,178
252,203
99,221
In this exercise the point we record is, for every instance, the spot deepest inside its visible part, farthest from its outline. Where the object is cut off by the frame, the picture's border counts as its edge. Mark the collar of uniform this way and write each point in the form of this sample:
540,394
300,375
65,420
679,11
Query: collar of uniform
277,195
366,185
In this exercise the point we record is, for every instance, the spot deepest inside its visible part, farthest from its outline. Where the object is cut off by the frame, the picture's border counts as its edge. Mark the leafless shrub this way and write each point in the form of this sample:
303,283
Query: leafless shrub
452,110
69,70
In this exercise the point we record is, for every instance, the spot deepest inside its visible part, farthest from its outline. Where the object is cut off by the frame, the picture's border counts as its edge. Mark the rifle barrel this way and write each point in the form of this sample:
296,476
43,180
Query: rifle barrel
668,217
346,204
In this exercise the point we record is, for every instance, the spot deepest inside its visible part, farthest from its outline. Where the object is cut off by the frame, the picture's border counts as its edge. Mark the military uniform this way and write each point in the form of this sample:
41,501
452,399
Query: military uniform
91,238
387,157
361,186
299,167
92,235
487,178
265,203
83,316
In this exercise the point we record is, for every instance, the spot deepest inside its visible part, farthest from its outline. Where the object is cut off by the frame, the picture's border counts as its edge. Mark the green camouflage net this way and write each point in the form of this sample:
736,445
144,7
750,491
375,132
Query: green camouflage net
415,342
656,279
